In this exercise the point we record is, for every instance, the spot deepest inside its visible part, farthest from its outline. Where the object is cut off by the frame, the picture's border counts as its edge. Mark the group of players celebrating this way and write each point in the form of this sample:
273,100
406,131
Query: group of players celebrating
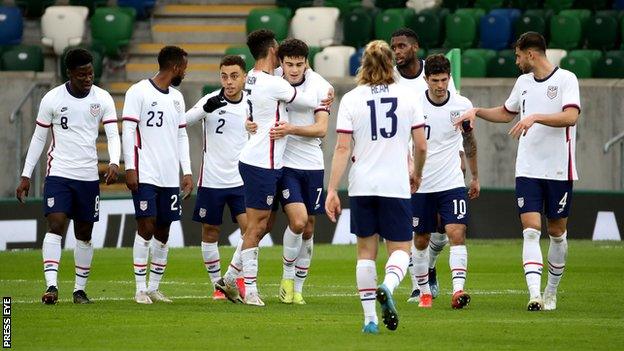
404,130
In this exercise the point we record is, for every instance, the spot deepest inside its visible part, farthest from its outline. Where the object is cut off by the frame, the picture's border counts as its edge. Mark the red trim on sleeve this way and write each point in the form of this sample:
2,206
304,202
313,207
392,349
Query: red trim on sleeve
570,173
43,124
132,119
572,105
321,109
294,96
109,121
50,157
344,131
508,110
182,125
418,126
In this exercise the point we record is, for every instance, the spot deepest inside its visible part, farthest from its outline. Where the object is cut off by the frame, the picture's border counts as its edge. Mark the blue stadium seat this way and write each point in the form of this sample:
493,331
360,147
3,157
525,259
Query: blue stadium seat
512,14
495,32
143,7
11,25
618,5
354,61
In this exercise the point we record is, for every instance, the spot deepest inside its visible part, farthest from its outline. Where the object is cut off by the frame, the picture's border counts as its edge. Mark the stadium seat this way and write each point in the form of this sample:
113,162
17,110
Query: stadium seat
525,4
421,53
512,14
555,55
294,4
583,15
312,51
487,54
580,66
602,32
11,25
529,23
390,20
495,32
209,88
558,5
98,66
488,5
455,4
565,32
436,51
316,26
618,5
355,61
143,8
34,8
357,27
591,4
63,26
344,6
244,53
461,31
473,66
112,28
610,67
268,19
90,4
333,61
429,29
23,58
546,14
503,65
594,56
389,4
476,13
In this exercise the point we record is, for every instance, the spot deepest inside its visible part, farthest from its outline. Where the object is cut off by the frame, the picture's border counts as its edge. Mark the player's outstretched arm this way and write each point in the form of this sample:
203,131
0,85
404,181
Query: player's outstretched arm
37,143
114,151
339,165
566,118
497,114
420,155
316,130
470,150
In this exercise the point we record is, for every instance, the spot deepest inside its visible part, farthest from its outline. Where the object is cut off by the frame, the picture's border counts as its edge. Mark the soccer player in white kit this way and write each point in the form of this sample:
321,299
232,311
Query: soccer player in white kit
223,113
260,163
72,112
441,200
547,99
380,116
154,143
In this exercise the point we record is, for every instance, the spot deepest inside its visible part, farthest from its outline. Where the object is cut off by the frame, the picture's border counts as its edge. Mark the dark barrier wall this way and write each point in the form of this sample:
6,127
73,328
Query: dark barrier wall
493,215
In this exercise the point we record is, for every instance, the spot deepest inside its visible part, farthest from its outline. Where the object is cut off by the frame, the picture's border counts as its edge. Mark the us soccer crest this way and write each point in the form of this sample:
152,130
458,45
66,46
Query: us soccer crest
143,205
520,202
286,193
95,109
552,92
177,106
270,200
202,212
415,221
455,116
50,202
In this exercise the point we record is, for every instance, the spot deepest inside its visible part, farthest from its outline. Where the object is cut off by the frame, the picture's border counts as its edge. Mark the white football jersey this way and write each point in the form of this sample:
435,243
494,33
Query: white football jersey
546,152
442,170
159,114
74,124
305,152
266,102
381,119
418,82
224,138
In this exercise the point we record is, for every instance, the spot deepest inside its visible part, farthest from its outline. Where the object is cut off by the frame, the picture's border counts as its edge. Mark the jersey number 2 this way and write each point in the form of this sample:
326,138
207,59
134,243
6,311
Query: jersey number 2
389,114
220,126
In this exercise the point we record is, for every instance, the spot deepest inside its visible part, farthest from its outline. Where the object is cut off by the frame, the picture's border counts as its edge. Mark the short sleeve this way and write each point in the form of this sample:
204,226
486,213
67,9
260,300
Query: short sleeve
132,105
283,91
109,113
46,112
322,88
570,96
344,121
512,104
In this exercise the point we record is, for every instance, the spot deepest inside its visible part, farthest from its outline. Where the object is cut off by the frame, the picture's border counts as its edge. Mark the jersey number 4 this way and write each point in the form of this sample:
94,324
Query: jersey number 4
389,114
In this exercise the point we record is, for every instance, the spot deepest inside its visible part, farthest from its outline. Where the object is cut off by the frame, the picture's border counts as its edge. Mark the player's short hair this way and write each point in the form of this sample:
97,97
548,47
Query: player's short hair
292,48
78,57
531,40
377,64
406,32
436,64
259,42
231,60
170,56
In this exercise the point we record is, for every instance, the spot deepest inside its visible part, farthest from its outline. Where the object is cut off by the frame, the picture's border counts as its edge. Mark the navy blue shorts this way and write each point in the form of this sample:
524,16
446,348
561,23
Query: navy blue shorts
154,201
78,199
389,217
210,203
451,206
303,186
260,185
551,197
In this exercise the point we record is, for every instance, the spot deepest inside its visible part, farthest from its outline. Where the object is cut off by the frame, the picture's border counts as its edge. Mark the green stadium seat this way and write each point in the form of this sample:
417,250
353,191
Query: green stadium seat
622,30
594,56
436,51
546,14
476,13
529,23
112,29
488,5
455,4
285,11
242,51
23,58
580,66
602,32
504,65
461,31
615,53
487,54
390,20
272,19
294,4
558,5
98,65
422,53
593,5
610,67
209,88
357,27
583,15
390,4
473,66
429,29
565,32
34,8
525,4
345,6
312,51
90,4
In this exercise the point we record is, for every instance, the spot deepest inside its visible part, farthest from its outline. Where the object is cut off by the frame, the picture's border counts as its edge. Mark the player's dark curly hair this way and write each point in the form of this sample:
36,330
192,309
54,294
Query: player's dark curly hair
77,57
406,32
231,60
531,40
292,48
170,56
436,64
259,42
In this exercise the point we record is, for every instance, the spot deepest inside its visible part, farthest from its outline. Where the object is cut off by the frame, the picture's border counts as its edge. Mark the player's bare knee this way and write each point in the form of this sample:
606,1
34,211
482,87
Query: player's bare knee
210,233
298,225
421,241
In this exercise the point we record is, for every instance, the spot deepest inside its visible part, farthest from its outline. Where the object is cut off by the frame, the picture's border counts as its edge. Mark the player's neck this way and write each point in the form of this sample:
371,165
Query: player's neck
265,65
412,70
543,69
162,80
438,101
75,92
236,98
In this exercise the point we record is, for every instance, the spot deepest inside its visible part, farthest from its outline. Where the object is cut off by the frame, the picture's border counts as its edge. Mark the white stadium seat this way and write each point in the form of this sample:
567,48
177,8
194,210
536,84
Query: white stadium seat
555,55
63,26
316,26
333,61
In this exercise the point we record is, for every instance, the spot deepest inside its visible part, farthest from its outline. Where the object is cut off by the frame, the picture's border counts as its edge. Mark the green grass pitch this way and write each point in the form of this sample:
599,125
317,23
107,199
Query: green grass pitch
590,314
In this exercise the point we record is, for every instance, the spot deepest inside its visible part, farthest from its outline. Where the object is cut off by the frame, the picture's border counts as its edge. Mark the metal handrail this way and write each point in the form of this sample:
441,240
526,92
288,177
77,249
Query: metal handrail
613,141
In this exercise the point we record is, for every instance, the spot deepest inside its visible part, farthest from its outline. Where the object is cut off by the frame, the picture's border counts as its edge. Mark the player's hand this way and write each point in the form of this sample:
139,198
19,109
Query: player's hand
187,186
281,130
132,180
415,182
522,127
470,116
332,205
215,102
22,189
475,189
251,127
329,100
111,174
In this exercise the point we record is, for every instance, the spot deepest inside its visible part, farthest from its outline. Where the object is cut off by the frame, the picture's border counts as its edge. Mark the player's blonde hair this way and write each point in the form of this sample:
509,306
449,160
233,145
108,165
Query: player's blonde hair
377,64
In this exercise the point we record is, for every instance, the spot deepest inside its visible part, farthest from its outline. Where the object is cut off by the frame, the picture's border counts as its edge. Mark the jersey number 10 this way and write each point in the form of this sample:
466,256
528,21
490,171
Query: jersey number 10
389,114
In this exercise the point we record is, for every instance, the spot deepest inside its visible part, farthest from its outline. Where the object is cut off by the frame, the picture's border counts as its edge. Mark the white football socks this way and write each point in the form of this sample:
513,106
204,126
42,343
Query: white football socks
557,254
458,261
158,264
396,267
436,245
291,248
140,252
51,252
302,264
235,269
532,261
411,271
250,269
366,277
420,259
83,255
212,260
